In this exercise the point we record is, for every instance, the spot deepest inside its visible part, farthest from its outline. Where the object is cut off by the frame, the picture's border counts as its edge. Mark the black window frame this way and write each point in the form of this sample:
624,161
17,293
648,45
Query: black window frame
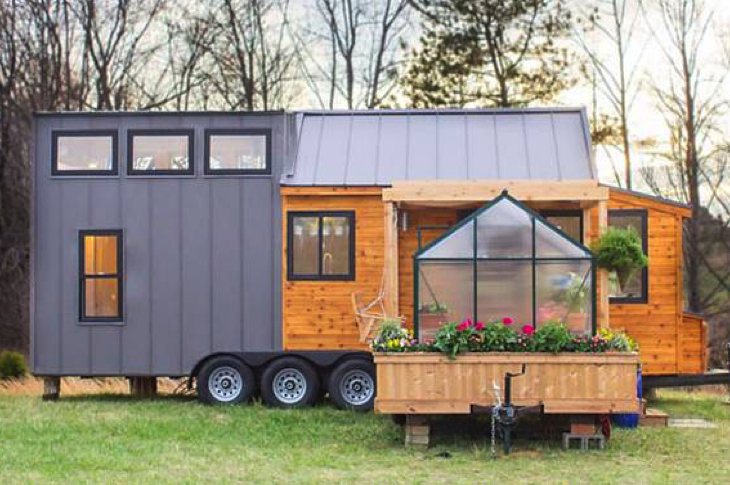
565,213
291,215
56,134
266,133
119,276
189,133
644,215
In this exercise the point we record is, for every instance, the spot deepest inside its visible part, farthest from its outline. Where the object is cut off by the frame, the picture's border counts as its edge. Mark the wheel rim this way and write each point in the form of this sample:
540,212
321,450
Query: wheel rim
225,384
357,387
289,386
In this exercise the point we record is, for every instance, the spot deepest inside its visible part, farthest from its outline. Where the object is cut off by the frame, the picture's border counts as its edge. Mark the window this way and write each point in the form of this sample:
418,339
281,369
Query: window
234,152
321,245
84,153
568,221
160,152
100,271
636,290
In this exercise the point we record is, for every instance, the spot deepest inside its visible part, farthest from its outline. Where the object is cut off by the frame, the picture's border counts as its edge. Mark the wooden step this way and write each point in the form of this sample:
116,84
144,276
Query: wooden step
654,418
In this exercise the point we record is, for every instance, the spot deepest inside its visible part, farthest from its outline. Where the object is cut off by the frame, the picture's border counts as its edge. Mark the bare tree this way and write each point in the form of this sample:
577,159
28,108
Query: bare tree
618,75
361,39
119,50
251,58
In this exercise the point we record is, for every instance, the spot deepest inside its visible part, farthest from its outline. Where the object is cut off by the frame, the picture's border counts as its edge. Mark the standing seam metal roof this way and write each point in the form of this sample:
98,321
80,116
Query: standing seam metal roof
377,148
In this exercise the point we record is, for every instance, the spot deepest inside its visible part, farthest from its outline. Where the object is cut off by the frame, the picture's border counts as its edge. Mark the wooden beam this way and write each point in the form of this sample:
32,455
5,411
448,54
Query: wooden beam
603,317
320,190
390,276
480,191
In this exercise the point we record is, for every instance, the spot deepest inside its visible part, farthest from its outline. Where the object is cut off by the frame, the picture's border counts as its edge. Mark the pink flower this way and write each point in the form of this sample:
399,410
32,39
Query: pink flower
462,326
479,326
508,321
528,329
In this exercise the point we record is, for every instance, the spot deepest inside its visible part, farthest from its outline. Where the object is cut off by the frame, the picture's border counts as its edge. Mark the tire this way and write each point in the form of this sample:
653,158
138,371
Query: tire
225,380
289,382
352,385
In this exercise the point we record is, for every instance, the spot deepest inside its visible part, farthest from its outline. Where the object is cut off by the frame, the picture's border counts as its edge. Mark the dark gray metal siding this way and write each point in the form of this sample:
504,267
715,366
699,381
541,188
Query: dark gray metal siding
201,254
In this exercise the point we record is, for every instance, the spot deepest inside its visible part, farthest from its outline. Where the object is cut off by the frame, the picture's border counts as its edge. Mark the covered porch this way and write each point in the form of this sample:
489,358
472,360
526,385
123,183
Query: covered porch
418,212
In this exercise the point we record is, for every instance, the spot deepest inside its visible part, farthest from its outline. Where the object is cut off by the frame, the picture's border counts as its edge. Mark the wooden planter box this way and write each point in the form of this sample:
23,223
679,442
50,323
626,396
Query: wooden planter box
431,383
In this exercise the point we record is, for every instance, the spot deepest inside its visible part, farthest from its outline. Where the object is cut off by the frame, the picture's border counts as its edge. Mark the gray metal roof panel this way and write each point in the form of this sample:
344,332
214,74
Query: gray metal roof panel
379,147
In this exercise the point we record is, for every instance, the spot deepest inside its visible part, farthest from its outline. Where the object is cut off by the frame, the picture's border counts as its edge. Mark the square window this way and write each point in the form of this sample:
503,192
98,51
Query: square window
100,276
84,153
237,152
160,152
321,245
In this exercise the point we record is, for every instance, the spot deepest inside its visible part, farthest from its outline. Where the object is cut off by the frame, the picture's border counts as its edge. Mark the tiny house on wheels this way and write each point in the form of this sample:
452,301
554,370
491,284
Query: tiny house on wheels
250,250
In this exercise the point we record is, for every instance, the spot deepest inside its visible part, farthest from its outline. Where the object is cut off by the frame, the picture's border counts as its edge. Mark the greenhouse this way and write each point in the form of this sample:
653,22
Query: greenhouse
504,261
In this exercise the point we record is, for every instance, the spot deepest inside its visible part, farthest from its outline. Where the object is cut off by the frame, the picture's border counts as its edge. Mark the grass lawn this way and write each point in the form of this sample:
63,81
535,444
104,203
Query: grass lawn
111,438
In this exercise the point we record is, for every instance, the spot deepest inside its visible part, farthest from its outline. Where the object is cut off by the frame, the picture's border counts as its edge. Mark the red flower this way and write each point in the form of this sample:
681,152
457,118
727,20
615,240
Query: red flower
479,326
528,329
507,321
462,326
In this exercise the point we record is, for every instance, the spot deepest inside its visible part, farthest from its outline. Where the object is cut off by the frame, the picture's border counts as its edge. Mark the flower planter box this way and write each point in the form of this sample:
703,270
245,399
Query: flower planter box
576,383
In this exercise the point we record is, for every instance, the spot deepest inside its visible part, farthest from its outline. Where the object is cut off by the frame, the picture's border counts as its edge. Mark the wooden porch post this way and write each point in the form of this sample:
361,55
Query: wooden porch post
390,277
603,321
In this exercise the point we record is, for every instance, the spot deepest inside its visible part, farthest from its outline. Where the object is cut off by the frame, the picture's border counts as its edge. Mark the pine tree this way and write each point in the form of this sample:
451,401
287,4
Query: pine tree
489,53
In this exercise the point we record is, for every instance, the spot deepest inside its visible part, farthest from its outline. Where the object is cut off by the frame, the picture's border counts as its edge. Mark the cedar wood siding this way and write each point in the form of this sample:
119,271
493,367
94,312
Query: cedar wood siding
319,314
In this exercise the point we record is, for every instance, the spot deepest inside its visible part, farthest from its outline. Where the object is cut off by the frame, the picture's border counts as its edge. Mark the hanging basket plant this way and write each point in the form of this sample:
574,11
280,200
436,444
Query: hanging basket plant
619,250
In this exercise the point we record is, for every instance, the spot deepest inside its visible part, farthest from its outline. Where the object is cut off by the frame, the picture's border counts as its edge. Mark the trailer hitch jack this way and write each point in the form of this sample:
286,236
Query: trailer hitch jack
505,414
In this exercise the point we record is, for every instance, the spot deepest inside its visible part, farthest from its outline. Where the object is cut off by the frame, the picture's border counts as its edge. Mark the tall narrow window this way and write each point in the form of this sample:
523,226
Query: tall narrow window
160,152
237,152
100,271
321,245
84,153
637,288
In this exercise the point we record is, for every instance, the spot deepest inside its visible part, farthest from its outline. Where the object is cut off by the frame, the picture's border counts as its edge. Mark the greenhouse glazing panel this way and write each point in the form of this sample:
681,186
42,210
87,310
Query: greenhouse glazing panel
459,245
551,244
504,231
445,292
564,294
504,289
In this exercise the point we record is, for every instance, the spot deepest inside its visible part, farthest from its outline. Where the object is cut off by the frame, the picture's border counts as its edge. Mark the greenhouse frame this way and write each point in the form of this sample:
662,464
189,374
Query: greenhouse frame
515,264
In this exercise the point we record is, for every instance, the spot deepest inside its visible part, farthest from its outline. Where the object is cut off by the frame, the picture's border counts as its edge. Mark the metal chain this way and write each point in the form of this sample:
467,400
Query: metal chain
495,412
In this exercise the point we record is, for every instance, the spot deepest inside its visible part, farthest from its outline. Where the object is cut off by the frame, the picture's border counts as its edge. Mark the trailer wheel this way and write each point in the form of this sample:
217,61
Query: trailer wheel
225,380
352,385
289,382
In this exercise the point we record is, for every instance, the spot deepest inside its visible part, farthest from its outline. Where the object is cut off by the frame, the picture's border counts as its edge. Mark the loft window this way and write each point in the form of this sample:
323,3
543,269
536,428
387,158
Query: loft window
504,260
321,245
160,152
100,275
637,288
568,221
237,152
84,153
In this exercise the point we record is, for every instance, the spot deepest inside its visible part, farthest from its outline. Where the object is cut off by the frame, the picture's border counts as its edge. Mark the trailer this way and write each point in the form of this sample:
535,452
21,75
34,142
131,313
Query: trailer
229,247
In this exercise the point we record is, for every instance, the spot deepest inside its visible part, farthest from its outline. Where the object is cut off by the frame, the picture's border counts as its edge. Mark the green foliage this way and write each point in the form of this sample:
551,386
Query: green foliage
453,340
12,365
620,250
551,337
495,337
489,53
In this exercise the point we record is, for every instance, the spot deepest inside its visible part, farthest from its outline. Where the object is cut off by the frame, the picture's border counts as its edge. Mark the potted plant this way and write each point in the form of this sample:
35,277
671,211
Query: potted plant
431,316
619,250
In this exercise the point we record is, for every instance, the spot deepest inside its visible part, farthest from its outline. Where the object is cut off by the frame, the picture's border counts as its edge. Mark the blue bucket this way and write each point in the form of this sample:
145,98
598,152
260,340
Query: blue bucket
629,420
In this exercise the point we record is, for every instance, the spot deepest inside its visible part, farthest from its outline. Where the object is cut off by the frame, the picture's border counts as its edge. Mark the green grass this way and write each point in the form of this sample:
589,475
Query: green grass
115,439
